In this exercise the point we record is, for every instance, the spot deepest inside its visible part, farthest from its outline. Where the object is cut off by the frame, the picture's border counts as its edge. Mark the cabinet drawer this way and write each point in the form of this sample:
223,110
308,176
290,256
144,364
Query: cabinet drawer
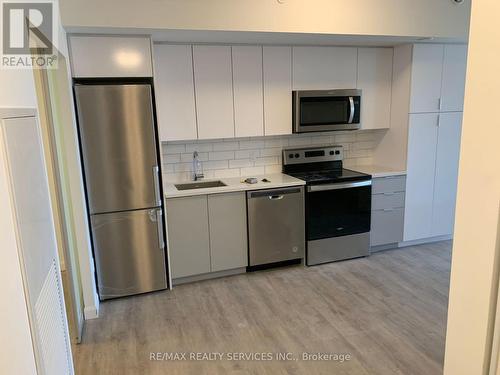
387,226
388,200
388,184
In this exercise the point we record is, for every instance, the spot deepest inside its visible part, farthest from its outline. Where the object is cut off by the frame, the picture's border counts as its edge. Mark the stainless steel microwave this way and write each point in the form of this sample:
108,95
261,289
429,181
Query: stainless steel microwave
326,110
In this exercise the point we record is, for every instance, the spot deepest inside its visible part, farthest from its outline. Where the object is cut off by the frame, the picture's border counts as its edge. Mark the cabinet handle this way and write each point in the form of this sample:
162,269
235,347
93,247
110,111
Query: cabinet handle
389,193
276,197
159,223
439,104
388,209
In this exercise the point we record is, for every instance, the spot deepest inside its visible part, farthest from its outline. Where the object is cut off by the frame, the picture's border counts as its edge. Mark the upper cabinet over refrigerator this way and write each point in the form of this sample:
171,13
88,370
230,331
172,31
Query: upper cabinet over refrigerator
118,146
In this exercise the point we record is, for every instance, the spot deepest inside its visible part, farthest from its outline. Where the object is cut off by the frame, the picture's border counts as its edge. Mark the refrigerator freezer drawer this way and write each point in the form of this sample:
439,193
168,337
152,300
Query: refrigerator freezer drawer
117,136
129,252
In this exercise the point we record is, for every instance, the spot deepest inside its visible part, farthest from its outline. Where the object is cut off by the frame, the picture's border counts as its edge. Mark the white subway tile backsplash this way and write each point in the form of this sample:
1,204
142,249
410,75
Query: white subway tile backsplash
188,157
250,171
215,164
168,148
172,158
345,138
271,160
240,163
200,147
300,141
274,151
247,154
254,144
225,173
221,155
259,155
226,146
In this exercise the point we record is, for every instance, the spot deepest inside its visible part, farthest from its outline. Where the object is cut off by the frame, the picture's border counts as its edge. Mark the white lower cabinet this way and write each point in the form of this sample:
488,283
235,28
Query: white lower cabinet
387,210
432,172
188,236
206,233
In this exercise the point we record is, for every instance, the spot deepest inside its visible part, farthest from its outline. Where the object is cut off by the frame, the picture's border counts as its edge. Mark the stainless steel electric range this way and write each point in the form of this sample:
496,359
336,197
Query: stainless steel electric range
337,203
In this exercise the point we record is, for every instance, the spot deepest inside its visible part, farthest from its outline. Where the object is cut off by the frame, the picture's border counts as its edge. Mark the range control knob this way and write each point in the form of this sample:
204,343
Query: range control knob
297,155
337,152
331,152
290,156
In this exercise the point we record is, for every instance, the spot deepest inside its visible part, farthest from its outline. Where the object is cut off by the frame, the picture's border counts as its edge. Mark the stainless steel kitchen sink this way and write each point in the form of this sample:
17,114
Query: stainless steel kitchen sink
200,185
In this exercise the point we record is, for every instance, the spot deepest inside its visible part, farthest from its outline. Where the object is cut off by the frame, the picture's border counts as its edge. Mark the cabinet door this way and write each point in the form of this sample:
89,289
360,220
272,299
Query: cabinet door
387,226
228,231
174,91
375,79
427,66
188,237
453,85
248,91
422,142
214,91
324,68
95,56
277,69
445,185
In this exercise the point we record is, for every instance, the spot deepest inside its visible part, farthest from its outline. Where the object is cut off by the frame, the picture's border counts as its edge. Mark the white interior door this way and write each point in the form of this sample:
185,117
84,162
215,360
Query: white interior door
445,183
37,244
422,142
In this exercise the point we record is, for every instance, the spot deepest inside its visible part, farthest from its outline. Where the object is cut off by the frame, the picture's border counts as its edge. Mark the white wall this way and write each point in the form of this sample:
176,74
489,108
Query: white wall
441,18
477,240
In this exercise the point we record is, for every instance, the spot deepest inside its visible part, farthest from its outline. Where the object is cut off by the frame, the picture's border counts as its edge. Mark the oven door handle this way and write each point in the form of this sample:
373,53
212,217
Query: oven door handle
336,186
353,109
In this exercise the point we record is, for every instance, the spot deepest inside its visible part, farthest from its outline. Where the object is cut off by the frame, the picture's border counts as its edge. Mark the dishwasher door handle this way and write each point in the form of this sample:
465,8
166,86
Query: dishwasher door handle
276,197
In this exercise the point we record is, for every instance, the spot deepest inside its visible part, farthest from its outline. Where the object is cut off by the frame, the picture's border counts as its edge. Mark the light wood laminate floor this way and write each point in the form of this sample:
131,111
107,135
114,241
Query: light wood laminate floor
388,311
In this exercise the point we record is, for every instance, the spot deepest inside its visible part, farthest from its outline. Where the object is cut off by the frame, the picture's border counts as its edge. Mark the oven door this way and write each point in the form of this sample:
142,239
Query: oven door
338,209
326,110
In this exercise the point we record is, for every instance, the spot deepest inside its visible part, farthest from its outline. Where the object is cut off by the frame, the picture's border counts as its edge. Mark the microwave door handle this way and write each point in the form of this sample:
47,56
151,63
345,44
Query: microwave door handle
353,108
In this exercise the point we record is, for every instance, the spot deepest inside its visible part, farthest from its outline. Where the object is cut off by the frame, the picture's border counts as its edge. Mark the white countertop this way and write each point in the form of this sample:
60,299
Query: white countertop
377,170
277,180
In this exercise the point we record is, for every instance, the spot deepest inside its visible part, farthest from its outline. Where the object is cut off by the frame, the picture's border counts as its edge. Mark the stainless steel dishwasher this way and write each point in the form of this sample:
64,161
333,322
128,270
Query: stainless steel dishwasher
276,228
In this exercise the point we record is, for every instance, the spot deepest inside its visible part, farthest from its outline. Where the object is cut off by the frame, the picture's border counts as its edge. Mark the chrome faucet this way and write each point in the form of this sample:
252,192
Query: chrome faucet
197,167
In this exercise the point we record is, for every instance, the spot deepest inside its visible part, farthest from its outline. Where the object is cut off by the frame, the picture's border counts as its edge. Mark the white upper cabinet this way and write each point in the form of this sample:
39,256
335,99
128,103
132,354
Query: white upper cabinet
375,80
110,56
174,92
445,184
277,68
427,67
213,80
324,68
438,78
453,82
248,92
422,143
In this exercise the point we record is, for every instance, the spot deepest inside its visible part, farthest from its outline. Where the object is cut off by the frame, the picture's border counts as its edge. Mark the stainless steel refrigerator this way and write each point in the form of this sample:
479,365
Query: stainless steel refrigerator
121,167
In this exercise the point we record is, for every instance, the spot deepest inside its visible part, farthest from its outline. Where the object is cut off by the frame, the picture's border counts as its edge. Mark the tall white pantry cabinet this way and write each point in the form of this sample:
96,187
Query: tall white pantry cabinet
434,129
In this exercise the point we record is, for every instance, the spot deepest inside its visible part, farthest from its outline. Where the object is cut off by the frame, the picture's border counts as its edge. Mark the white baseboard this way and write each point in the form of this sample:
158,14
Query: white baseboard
422,241
90,312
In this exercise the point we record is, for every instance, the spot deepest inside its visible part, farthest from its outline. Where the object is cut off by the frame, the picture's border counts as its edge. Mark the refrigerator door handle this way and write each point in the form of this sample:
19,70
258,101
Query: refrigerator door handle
159,225
156,181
